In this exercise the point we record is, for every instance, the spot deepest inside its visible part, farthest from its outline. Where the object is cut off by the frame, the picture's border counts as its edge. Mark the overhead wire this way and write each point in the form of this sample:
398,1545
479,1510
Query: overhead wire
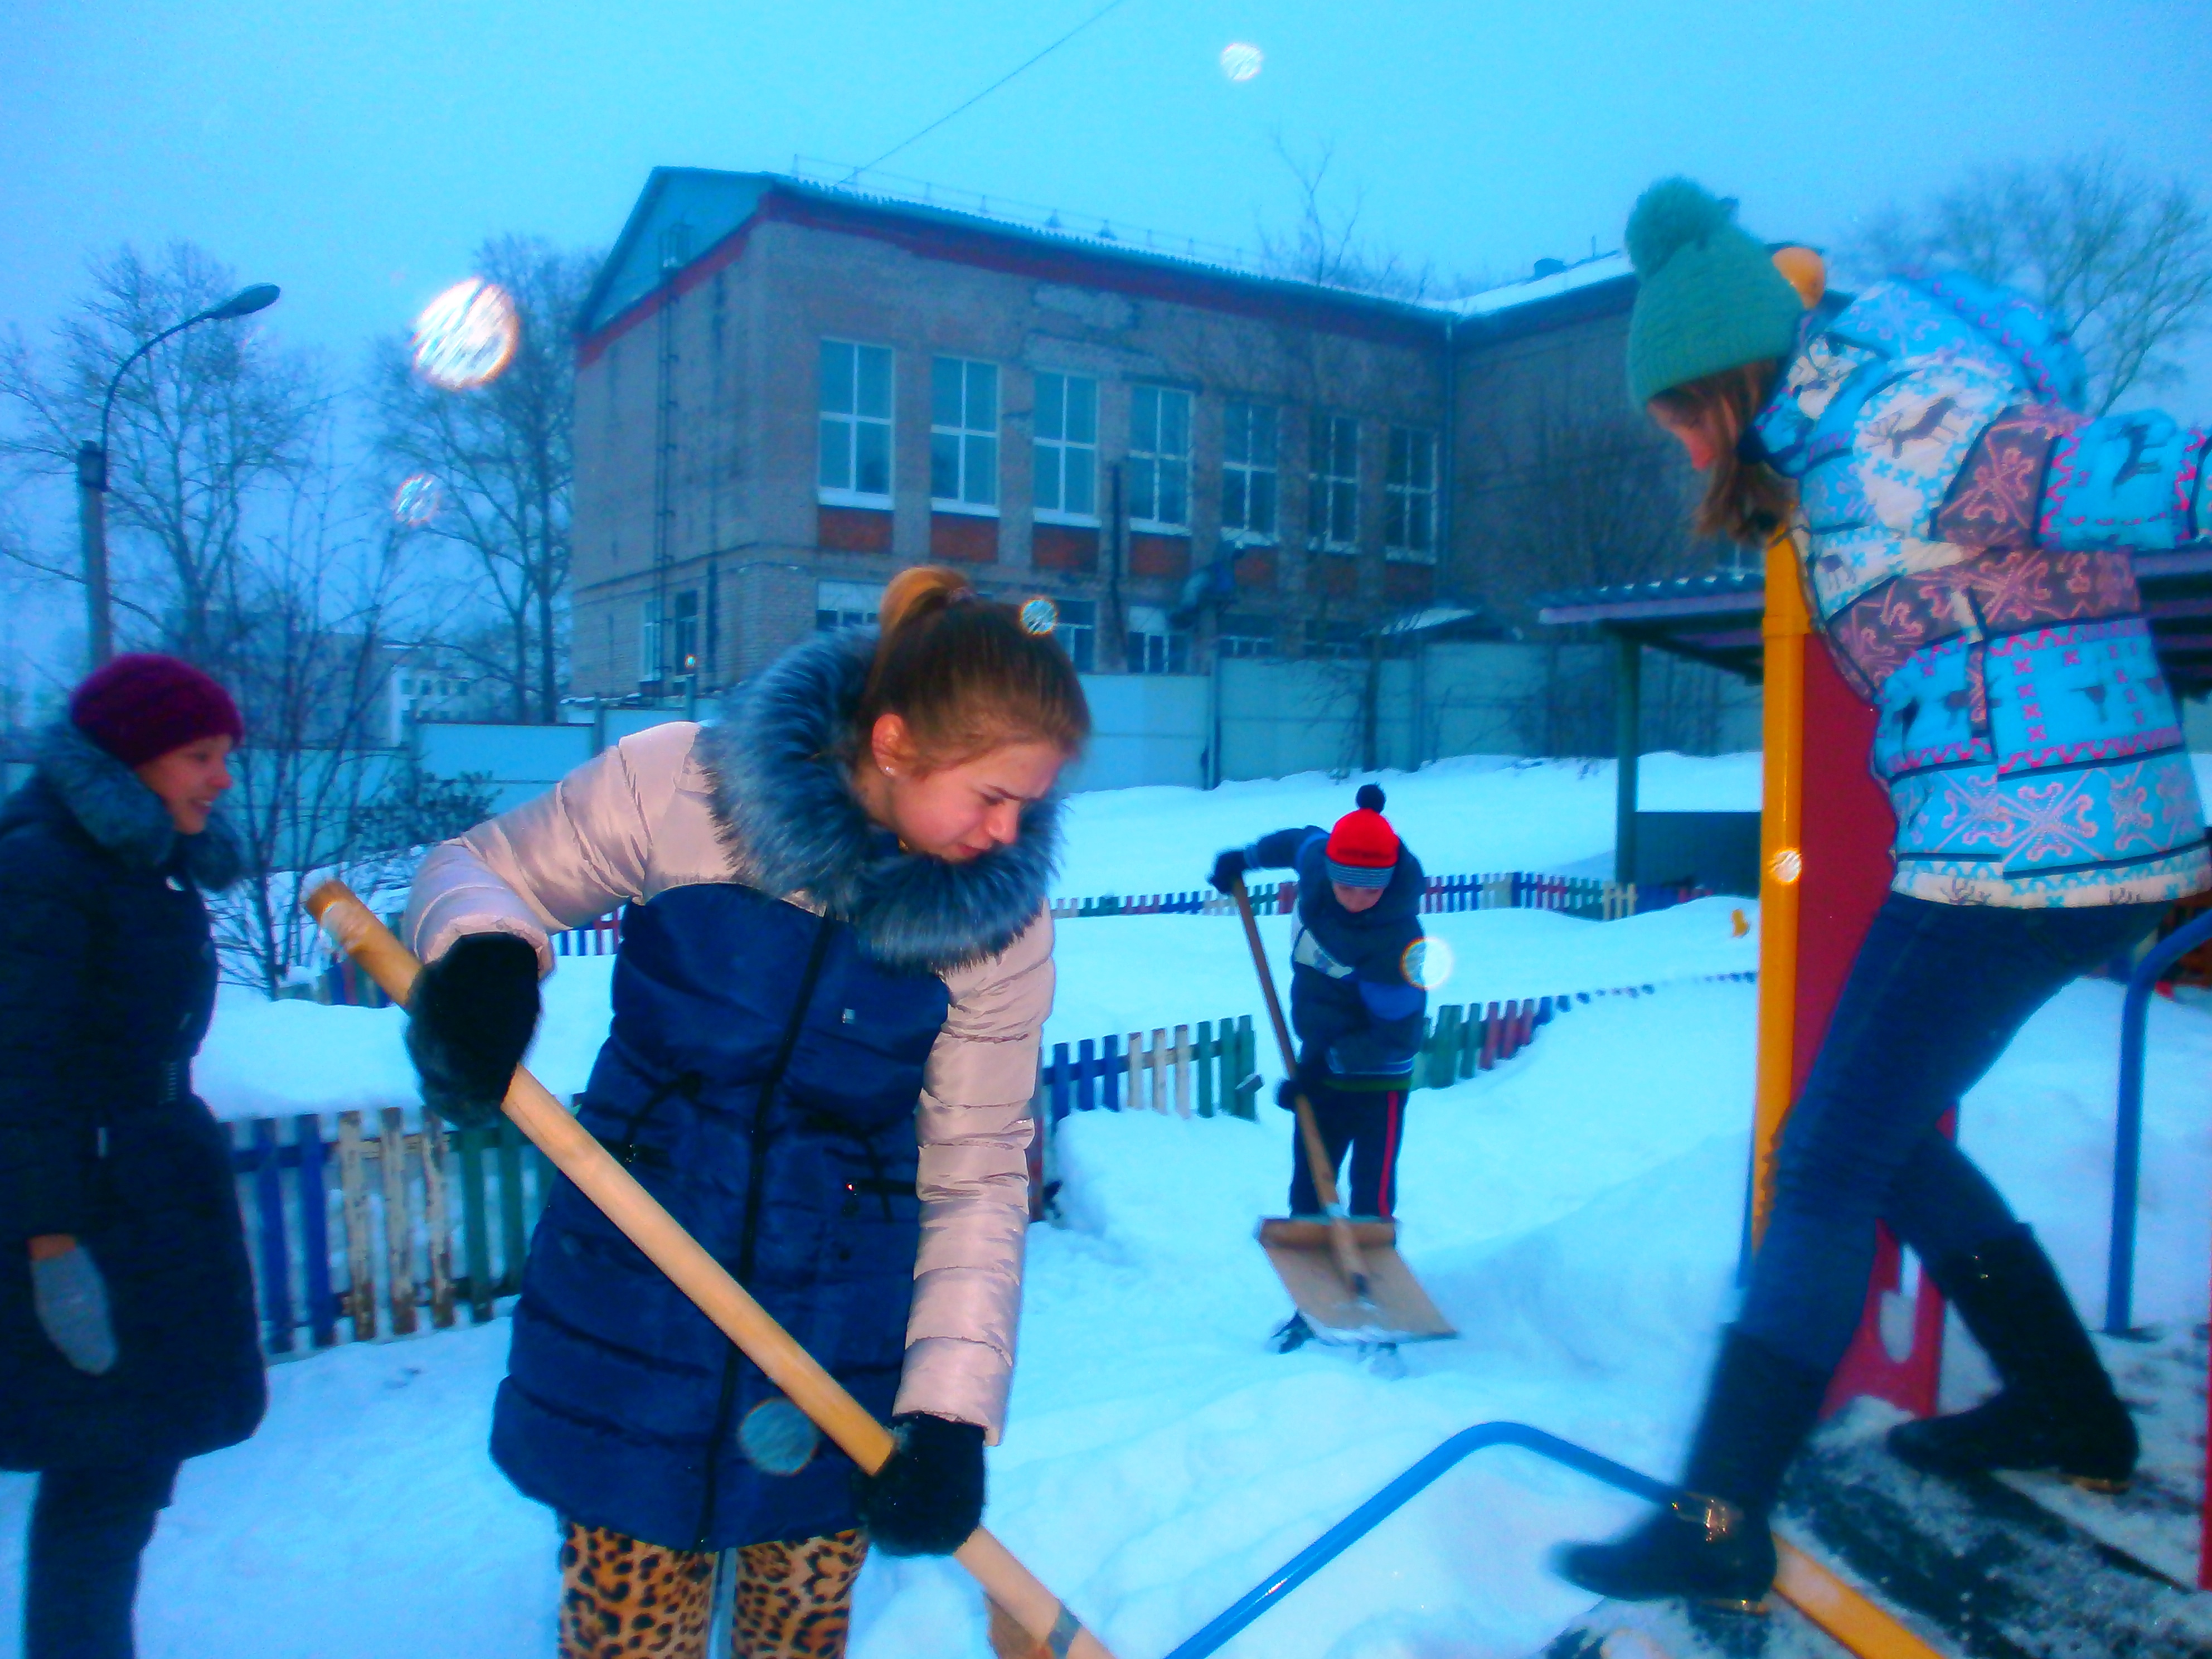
1026,64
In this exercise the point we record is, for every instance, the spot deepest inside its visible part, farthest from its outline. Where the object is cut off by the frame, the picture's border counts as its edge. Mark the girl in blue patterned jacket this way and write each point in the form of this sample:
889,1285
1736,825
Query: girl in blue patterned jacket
1965,534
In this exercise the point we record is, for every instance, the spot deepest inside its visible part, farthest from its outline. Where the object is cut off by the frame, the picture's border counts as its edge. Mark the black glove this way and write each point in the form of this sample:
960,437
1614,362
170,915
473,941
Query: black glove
1303,1081
1228,868
929,1496
469,1021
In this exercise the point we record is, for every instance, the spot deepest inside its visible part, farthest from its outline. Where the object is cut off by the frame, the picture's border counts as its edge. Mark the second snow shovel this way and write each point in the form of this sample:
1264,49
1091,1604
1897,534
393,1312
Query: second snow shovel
1346,1276
1018,1599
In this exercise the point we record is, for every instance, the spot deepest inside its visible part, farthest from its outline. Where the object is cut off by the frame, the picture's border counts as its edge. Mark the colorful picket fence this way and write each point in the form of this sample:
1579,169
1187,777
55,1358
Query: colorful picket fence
382,1226
1501,890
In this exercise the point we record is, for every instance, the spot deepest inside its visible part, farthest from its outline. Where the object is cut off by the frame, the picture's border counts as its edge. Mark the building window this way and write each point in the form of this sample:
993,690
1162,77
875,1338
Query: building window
1333,515
1409,497
668,642
1077,630
1159,458
963,436
1153,647
1248,473
1244,635
1334,639
855,468
846,604
1067,448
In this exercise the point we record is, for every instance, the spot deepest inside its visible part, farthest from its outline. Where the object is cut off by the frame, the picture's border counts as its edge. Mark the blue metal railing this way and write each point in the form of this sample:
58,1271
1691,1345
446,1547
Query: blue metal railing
1362,1520
2127,1150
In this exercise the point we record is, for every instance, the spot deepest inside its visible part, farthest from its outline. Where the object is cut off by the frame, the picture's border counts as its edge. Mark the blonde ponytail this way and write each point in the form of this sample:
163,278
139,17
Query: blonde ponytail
965,675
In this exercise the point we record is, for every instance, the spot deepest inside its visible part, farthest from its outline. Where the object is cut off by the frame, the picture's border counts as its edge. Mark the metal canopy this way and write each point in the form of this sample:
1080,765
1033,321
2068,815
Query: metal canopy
1715,619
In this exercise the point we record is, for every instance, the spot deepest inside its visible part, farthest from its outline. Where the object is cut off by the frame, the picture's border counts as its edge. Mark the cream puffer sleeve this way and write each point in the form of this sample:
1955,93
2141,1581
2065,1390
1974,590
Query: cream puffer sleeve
974,1185
634,821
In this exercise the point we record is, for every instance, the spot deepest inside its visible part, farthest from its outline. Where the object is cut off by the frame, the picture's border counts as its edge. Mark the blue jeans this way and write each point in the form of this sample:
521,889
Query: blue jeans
1936,994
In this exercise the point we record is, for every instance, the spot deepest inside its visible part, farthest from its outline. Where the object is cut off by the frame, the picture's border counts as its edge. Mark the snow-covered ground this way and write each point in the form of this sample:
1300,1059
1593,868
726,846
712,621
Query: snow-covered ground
1575,1211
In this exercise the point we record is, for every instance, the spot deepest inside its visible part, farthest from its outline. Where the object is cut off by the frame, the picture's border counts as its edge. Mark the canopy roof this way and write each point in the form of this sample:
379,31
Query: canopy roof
1715,619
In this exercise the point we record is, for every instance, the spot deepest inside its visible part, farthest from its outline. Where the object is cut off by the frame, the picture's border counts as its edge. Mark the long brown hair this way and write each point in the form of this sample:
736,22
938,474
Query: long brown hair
1744,501
965,675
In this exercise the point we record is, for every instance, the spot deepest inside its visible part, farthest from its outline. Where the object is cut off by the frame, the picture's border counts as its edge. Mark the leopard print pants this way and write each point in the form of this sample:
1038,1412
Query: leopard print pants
621,1598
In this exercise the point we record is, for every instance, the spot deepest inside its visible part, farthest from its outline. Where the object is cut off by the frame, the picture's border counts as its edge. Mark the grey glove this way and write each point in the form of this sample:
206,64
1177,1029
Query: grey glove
72,1300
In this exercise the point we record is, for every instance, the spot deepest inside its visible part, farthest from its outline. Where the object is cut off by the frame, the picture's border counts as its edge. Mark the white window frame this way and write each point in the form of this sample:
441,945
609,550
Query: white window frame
854,605
1152,624
1079,630
654,631
1233,640
970,437
852,419
1160,462
1409,504
1238,423
1059,455
1326,488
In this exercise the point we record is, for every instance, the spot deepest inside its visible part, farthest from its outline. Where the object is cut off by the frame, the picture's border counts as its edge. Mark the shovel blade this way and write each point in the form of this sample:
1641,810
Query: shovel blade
1397,1309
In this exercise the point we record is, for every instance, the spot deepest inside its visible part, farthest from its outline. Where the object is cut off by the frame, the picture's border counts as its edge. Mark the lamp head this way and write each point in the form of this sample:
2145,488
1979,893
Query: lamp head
244,303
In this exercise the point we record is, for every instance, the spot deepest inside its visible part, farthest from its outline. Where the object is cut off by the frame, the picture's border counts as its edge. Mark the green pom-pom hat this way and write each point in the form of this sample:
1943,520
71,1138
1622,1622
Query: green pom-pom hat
1708,296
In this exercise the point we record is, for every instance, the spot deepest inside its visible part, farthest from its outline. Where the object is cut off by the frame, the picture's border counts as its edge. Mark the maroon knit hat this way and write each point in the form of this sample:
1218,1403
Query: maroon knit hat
141,706
1363,848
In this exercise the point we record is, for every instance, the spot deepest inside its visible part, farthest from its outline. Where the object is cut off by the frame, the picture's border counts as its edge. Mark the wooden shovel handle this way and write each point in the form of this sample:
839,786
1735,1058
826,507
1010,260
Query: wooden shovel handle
578,1155
1342,1244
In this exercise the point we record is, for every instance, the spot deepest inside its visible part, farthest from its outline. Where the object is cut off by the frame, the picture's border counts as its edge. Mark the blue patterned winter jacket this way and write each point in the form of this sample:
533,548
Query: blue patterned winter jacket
1965,535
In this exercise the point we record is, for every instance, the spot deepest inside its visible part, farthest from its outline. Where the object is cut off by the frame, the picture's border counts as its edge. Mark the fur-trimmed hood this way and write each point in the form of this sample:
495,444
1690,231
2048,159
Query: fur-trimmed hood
781,764
111,805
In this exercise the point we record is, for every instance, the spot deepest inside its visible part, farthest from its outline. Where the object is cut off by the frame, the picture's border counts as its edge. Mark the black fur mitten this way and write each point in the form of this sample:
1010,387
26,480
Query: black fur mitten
471,1018
929,1496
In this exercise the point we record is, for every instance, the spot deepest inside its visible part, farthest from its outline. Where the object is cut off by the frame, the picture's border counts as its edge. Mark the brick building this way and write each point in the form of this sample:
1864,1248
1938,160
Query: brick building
787,392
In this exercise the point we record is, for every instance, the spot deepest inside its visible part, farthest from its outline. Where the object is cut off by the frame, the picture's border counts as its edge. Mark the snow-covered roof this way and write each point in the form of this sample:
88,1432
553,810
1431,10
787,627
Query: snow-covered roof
1583,273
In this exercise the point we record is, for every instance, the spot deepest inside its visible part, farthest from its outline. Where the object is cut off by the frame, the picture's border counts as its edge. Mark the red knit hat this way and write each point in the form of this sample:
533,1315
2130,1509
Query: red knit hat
1363,848
141,706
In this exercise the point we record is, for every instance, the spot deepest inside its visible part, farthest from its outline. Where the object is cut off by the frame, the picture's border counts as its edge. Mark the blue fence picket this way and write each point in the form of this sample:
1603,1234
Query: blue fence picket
314,1230
1112,1068
276,1264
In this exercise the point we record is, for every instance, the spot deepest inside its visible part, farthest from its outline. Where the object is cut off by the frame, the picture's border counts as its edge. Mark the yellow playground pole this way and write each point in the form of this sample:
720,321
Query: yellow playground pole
1780,860
1845,1612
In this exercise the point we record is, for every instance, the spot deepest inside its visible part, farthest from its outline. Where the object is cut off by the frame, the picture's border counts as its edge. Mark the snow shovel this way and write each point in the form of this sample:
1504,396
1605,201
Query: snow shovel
1346,1276
573,1151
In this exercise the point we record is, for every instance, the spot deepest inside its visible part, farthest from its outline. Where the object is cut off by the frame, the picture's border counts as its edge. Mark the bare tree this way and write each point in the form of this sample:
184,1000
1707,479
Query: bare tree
1324,244
2122,261
503,458
202,426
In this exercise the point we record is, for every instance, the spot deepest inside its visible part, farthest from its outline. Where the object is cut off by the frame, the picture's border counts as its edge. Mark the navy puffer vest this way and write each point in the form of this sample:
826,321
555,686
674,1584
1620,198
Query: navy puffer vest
760,1080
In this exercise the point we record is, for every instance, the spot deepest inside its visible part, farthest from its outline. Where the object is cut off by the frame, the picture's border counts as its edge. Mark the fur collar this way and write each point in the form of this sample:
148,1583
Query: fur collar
127,818
780,763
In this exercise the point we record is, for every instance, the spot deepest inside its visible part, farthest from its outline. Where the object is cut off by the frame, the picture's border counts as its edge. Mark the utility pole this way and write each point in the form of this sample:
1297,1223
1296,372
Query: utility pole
92,474
92,541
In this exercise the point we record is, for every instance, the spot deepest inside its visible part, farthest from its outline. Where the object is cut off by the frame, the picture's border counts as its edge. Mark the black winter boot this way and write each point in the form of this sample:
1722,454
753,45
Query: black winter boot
1713,1544
2056,1409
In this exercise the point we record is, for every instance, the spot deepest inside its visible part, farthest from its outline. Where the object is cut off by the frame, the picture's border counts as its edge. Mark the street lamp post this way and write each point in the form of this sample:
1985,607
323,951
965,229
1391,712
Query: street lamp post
92,474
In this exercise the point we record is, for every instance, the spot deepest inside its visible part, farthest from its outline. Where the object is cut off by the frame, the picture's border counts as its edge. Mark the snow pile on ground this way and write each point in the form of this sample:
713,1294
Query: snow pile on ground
1576,1211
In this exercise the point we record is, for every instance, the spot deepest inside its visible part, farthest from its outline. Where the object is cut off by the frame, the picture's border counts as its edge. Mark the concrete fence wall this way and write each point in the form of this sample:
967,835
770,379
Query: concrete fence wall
1270,718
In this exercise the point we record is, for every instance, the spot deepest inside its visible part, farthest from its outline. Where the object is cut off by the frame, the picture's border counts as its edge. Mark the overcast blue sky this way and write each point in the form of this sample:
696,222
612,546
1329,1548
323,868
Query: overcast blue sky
355,153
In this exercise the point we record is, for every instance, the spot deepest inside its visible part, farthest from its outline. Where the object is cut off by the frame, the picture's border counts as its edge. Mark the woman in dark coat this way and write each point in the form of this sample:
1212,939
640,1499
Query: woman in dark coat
127,1340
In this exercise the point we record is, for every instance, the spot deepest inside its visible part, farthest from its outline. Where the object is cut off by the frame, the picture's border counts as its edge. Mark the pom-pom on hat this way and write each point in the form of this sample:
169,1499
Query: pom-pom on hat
140,706
1363,848
1708,297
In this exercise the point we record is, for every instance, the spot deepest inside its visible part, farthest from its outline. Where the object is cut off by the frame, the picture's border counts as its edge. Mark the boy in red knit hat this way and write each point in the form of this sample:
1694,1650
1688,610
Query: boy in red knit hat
1358,1018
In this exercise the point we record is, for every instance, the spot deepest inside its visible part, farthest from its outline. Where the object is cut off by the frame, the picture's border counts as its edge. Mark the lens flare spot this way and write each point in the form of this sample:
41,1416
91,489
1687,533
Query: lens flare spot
1241,61
418,500
1428,962
1040,616
467,336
